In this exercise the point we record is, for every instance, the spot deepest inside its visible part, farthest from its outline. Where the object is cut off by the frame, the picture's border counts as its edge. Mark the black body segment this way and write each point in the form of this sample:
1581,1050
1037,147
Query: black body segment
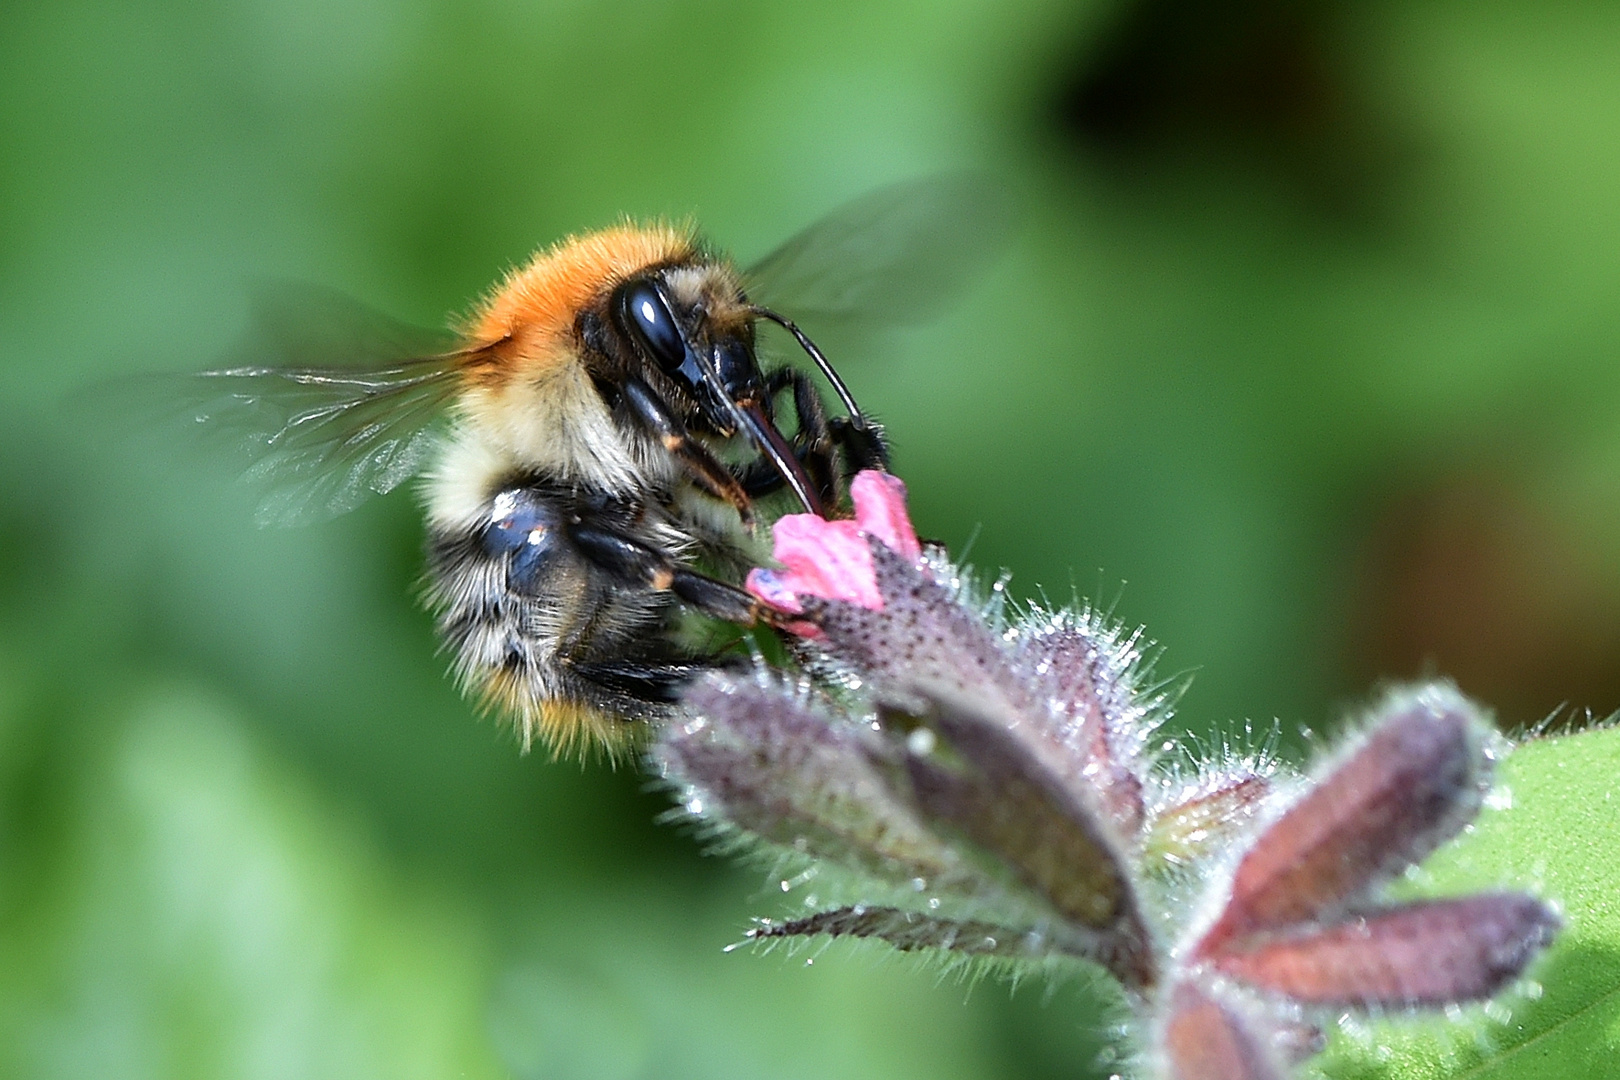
560,597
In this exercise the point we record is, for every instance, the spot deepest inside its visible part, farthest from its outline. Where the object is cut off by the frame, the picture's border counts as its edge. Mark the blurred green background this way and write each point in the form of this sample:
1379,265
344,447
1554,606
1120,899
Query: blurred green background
1304,356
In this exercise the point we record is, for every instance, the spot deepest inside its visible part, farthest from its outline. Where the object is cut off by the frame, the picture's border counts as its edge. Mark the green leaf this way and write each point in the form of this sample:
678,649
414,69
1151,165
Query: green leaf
1552,827
204,918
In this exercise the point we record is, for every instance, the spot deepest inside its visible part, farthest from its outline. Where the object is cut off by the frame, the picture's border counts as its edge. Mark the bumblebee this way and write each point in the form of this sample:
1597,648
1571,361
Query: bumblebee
592,444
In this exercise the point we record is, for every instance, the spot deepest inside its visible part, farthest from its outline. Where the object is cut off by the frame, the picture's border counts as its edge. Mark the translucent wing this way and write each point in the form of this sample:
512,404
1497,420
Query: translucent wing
323,441
328,404
894,256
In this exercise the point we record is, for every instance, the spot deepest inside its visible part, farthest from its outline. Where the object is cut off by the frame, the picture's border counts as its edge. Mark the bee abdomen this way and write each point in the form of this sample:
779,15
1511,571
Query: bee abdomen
527,617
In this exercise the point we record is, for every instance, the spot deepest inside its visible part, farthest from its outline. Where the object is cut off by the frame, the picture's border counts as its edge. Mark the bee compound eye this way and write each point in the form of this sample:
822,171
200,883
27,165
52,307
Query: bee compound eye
647,317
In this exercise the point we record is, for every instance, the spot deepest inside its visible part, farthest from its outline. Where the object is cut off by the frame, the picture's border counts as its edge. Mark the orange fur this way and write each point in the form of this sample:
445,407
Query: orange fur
568,728
530,316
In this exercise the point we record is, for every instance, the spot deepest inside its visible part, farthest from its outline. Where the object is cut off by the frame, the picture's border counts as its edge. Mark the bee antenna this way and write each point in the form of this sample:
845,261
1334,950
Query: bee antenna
822,362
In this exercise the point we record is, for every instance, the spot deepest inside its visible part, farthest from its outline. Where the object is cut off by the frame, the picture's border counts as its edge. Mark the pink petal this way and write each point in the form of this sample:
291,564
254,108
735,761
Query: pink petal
833,559
829,559
880,511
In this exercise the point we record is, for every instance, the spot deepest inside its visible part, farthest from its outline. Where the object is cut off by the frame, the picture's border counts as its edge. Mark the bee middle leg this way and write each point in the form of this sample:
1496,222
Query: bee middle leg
640,565
659,675
643,679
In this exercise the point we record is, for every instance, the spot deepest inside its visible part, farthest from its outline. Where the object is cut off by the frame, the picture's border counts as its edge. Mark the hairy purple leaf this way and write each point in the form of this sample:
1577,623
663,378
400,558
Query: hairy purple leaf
910,931
1207,1039
1084,679
995,791
763,760
1415,780
1430,953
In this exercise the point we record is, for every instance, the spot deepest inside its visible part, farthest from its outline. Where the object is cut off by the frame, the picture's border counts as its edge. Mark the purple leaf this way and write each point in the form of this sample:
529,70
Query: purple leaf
1207,1039
993,789
1415,780
1084,677
923,640
1431,953
759,757
910,931
925,644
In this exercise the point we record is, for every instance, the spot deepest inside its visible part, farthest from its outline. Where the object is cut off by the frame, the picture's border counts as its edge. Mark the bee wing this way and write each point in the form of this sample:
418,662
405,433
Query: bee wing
322,441
893,256
341,404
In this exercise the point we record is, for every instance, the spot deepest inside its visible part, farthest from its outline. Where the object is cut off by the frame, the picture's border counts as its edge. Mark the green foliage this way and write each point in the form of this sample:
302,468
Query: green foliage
202,918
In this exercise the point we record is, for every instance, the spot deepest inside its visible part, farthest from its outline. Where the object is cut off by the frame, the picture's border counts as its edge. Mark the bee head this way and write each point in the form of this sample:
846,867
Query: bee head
692,324
685,323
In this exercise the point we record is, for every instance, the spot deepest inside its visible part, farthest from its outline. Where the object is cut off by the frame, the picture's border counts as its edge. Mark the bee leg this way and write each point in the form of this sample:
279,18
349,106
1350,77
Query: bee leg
812,444
637,563
811,438
861,440
717,599
641,679
863,443
701,465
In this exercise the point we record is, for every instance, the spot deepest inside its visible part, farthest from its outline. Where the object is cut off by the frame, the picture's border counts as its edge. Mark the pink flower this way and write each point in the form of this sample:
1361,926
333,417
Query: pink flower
833,559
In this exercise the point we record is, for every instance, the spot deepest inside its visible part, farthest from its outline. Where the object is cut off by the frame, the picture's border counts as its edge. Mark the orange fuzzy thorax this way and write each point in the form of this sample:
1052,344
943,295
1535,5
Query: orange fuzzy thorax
534,309
528,402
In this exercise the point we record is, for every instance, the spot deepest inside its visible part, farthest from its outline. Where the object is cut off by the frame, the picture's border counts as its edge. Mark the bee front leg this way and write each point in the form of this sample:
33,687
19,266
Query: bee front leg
704,468
863,443
817,440
811,444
